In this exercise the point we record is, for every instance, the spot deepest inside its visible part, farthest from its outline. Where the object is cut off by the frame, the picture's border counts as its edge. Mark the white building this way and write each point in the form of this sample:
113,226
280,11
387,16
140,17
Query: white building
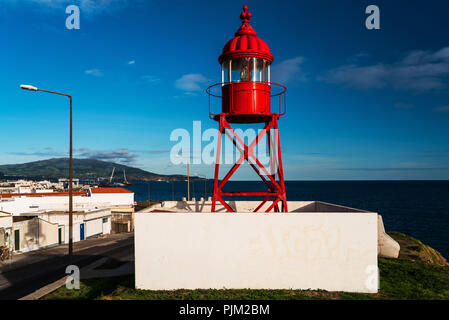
5,229
40,230
63,183
94,198
27,186
41,219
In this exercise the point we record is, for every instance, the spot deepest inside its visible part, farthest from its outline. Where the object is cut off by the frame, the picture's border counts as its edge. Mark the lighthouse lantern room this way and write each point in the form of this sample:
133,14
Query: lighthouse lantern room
246,97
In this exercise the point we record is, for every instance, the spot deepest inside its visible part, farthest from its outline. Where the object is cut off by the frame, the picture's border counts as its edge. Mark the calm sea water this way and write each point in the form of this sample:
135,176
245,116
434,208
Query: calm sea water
417,208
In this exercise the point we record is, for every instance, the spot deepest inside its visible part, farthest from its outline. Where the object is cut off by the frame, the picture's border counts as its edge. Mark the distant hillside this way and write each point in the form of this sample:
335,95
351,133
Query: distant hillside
82,169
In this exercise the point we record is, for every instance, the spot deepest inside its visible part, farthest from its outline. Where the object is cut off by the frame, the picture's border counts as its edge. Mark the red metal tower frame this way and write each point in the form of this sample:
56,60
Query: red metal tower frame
248,100
276,189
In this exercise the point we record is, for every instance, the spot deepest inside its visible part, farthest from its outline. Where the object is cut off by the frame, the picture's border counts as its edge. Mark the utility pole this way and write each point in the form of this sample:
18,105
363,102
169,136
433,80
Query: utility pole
188,182
205,184
188,176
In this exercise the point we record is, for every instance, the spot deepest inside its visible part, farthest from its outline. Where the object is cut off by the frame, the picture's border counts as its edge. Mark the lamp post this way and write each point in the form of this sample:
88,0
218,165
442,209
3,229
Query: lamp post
32,88
188,181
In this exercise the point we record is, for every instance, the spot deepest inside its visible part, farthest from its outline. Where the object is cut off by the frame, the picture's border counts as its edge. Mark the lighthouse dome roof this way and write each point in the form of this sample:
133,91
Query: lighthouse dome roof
246,43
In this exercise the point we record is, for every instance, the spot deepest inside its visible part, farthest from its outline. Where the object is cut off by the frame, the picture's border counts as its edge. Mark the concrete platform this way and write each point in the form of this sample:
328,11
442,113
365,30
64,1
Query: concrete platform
247,206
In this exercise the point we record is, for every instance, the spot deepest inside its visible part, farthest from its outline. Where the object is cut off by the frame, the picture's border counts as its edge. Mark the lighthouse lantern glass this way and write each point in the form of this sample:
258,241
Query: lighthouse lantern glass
239,69
256,66
244,69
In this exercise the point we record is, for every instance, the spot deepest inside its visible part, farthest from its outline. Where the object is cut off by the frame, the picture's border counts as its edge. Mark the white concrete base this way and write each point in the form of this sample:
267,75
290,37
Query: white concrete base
334,251
387,247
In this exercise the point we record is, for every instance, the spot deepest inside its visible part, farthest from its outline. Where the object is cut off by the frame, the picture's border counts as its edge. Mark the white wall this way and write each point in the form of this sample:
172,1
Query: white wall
120,199
60,203
93,222
94,227
76,232
5,222
107,226
29,234
330,251
47,233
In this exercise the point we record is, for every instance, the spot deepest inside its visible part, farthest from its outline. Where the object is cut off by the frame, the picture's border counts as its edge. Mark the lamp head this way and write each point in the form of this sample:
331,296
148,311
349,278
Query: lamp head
28,87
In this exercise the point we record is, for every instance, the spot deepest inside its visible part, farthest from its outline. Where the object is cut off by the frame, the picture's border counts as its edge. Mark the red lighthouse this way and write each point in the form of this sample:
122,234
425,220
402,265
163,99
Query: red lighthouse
246,94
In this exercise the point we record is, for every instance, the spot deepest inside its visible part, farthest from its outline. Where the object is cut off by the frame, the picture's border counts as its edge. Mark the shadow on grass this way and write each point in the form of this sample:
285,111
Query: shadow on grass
111,264
399,279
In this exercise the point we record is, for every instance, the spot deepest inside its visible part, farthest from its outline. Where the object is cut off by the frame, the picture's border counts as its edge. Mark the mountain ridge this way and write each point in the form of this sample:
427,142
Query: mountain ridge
83,169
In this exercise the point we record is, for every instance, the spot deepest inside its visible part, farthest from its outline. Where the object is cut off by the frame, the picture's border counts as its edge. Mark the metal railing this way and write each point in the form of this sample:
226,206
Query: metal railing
282,93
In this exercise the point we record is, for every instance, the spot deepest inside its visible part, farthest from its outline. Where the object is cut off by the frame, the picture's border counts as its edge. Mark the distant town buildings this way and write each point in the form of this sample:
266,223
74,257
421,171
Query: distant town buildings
29,186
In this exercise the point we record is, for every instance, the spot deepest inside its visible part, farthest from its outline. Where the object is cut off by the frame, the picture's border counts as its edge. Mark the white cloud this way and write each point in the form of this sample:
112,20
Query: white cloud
90,7
94,72
442,109
359,77
119,155
191,82
150,79
132,62
45,152
358,57
419,71
402,105
288,70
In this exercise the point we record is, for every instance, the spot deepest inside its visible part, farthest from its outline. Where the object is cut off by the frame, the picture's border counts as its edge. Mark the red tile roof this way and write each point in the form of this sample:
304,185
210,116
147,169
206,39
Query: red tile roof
65,194
43,194
110,190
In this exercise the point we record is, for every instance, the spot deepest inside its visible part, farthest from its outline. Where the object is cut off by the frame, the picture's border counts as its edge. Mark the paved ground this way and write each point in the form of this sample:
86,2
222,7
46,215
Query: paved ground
28,272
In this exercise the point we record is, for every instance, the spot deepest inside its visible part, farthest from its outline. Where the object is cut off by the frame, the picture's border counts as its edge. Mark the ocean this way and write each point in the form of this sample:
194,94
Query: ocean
416,208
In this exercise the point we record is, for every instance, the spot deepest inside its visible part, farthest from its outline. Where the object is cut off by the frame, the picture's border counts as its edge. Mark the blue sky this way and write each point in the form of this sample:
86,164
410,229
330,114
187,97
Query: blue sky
361,104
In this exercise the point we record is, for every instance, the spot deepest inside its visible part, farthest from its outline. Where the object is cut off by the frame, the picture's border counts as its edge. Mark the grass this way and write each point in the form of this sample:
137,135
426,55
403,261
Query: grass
399,279
414,250
404,279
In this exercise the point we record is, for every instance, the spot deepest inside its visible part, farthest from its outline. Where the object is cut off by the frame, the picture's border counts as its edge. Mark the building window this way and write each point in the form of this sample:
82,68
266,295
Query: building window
105,220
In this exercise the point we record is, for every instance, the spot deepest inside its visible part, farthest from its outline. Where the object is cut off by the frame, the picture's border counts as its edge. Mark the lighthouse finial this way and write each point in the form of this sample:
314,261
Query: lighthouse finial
245,28
245,15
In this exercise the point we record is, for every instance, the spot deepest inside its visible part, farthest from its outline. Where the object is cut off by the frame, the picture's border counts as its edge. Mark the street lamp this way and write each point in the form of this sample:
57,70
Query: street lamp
32,88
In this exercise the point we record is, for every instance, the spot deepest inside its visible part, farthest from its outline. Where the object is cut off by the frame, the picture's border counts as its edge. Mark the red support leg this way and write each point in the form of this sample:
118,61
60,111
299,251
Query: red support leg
271,156
262,203
280,168
217,164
